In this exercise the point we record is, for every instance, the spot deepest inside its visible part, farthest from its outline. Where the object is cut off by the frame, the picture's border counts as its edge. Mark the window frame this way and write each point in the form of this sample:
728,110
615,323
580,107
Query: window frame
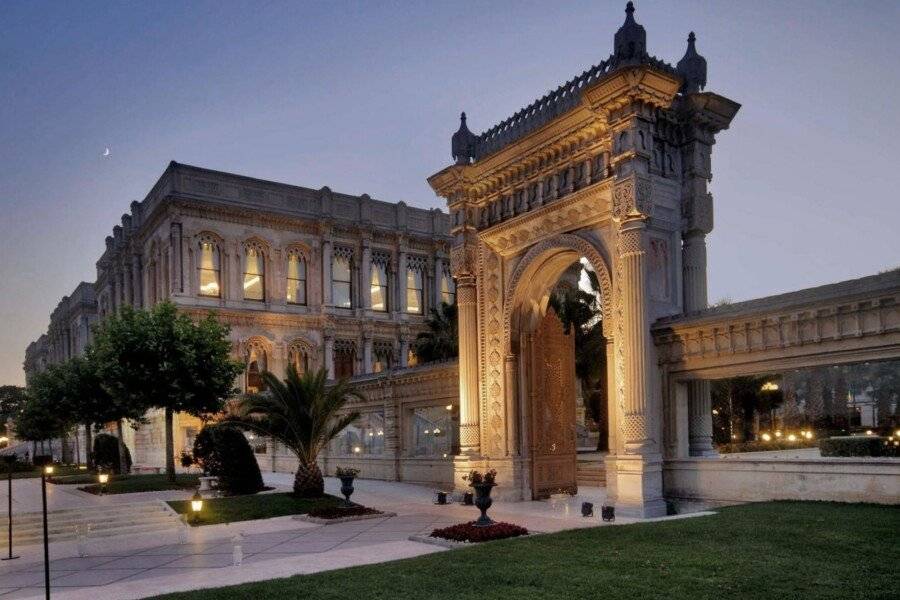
301,260
258,249
217,269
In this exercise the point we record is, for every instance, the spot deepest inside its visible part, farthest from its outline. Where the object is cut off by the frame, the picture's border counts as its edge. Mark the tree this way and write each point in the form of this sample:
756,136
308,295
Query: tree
441,341
223,451
45,415
12,399
302,413
161,359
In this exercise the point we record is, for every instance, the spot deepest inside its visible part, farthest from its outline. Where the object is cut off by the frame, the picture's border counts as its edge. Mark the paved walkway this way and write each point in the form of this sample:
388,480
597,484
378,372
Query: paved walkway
280,547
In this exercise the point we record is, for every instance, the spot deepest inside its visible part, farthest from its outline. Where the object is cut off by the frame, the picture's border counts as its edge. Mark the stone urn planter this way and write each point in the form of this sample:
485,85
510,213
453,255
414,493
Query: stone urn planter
347,476
482,483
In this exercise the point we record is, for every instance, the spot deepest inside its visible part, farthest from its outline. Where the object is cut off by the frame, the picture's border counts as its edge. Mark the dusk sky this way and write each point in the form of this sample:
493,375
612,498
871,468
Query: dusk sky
363,97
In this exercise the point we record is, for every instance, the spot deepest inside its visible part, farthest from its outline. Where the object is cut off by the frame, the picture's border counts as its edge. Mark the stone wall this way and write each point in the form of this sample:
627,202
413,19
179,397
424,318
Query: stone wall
762,479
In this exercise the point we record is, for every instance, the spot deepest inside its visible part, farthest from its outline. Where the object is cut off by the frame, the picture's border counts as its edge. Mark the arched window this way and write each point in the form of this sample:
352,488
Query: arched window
254,272
379,282
341,278
382,356
256,365
296,278
448,288
210,269
412,359
415,286
344,358
298,358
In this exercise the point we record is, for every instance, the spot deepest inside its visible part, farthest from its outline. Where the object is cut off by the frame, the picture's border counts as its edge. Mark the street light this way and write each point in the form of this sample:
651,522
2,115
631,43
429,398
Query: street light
46,472
196,505
10,461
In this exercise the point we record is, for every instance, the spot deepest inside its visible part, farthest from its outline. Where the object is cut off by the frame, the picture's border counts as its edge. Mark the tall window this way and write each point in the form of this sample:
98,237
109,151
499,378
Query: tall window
448,288
340,280
379,286
415,289
296,279
298,358
256,364
382,356
344,358
210,269
254,273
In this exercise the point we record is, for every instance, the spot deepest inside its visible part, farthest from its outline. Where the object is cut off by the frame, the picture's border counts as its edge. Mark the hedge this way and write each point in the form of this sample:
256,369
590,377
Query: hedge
106,453
222,451
760,446
858,445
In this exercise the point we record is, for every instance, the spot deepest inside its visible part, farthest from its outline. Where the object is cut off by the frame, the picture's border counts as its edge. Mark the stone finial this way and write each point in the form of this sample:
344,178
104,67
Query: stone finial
631,39
692,68
462,144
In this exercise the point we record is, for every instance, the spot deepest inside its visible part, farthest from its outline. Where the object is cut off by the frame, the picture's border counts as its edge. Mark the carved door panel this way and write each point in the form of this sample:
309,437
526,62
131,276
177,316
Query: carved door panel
552,396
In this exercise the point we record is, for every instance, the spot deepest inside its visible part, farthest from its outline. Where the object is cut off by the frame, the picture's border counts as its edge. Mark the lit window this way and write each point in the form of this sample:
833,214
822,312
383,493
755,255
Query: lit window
448,288
383,355
414,291
296,279
298,359
340,281
256,364
363,436
379,287
209,270
344,358
411,358
254,274
435,432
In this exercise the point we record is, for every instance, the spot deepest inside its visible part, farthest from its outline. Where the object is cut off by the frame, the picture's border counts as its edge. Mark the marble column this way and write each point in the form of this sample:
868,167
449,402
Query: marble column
693,261
367,352
404,351
511,373
136,280
438,279
469,421
401,281
365,280
326,273
328,349
126,286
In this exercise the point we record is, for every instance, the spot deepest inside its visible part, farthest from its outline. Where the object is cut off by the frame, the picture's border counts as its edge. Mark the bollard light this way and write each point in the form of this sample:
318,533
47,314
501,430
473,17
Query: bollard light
196,505
48,470
103,478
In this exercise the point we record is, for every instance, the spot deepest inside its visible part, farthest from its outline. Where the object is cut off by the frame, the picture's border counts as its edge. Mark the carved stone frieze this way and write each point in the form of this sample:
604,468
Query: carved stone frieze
632,197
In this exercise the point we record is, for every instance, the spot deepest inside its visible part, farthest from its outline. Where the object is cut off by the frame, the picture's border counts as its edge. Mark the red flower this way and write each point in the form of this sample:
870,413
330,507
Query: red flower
468,532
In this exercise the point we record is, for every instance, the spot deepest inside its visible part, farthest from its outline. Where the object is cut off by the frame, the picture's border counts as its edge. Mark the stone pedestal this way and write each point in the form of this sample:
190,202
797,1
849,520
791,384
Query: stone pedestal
636,485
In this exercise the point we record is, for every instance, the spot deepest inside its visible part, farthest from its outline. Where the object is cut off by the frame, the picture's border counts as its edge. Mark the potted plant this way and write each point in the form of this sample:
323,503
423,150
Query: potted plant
346,475
482,483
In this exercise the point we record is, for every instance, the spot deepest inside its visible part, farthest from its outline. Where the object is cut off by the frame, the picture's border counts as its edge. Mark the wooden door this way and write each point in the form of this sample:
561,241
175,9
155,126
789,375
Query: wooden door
552,396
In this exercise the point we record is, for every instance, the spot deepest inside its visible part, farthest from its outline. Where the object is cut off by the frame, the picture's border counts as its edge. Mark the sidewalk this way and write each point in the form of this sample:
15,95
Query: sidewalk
280,547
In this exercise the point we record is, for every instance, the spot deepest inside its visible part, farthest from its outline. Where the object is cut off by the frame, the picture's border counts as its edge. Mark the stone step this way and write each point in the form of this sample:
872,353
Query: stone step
98,522
70,535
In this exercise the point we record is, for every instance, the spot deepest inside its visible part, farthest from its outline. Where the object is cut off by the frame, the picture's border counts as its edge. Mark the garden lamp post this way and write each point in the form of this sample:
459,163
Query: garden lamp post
103,478
46,472
196,505
10,461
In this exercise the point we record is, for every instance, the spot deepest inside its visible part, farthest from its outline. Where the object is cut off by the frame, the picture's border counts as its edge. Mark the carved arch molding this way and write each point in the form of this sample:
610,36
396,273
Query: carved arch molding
567,241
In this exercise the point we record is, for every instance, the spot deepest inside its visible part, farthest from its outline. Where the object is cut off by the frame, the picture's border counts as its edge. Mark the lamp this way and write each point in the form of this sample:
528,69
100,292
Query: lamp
196,505
103,478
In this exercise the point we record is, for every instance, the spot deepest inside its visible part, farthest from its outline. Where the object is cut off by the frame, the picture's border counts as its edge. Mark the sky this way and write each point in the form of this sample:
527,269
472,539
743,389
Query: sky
364,96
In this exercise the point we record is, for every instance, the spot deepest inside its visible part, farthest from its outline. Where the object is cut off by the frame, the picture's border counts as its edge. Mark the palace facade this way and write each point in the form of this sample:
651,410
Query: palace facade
305,277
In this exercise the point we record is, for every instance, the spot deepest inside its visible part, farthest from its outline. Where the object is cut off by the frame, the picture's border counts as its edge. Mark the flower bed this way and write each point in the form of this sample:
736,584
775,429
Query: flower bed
339,512
468,532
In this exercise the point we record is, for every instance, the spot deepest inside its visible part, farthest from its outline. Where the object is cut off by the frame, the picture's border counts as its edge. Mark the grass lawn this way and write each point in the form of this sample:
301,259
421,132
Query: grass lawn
257,506
128,484
36,472
779,550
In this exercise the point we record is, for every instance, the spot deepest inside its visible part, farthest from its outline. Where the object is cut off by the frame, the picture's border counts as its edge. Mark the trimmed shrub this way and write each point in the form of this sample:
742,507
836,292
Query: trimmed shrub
760,446
469,532
858,445
106,453
338,512
222,451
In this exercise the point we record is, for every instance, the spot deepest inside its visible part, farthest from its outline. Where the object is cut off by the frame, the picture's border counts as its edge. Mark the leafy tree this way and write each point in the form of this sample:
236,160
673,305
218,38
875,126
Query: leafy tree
110,454
441,341
304,414
12,399
45,414
161,359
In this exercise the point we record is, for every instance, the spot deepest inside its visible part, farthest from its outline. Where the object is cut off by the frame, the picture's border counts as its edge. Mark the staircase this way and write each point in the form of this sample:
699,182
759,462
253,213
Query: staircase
92,522
590,472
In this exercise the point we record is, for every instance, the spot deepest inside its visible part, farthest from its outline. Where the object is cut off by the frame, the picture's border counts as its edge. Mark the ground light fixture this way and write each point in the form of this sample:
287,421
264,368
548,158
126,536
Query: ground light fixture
46,473
196,505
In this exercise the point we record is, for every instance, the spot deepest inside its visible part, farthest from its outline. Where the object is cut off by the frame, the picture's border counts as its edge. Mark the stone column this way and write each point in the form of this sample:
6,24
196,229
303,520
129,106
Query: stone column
365,284
126,285
469,421
326,273
367,352
328,349
511,373
401,281
136,281
438,279
404,351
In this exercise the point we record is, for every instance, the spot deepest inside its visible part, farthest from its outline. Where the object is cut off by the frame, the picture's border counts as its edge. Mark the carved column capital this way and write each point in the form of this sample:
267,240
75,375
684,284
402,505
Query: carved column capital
632,198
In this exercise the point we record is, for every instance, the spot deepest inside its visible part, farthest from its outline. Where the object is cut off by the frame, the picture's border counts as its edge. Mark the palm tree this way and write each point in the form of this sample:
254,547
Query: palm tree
441,340
304,413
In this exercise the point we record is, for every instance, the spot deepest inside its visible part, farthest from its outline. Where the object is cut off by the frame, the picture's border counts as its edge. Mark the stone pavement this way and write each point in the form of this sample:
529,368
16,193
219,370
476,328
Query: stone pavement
203,557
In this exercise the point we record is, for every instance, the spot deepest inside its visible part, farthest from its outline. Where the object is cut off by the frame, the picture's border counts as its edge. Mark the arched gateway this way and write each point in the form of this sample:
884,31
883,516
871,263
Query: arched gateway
611,167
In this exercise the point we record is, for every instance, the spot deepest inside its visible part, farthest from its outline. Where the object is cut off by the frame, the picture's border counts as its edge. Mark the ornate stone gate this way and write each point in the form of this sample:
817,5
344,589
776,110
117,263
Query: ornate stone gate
611,166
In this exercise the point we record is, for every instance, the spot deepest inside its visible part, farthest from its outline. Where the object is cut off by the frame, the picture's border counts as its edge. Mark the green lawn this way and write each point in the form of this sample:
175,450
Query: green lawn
36,472
781,550
257,506
128,484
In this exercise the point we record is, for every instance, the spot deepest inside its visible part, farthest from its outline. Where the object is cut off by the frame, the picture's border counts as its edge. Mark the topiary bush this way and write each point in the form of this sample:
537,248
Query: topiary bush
106,453
222,451
858,445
